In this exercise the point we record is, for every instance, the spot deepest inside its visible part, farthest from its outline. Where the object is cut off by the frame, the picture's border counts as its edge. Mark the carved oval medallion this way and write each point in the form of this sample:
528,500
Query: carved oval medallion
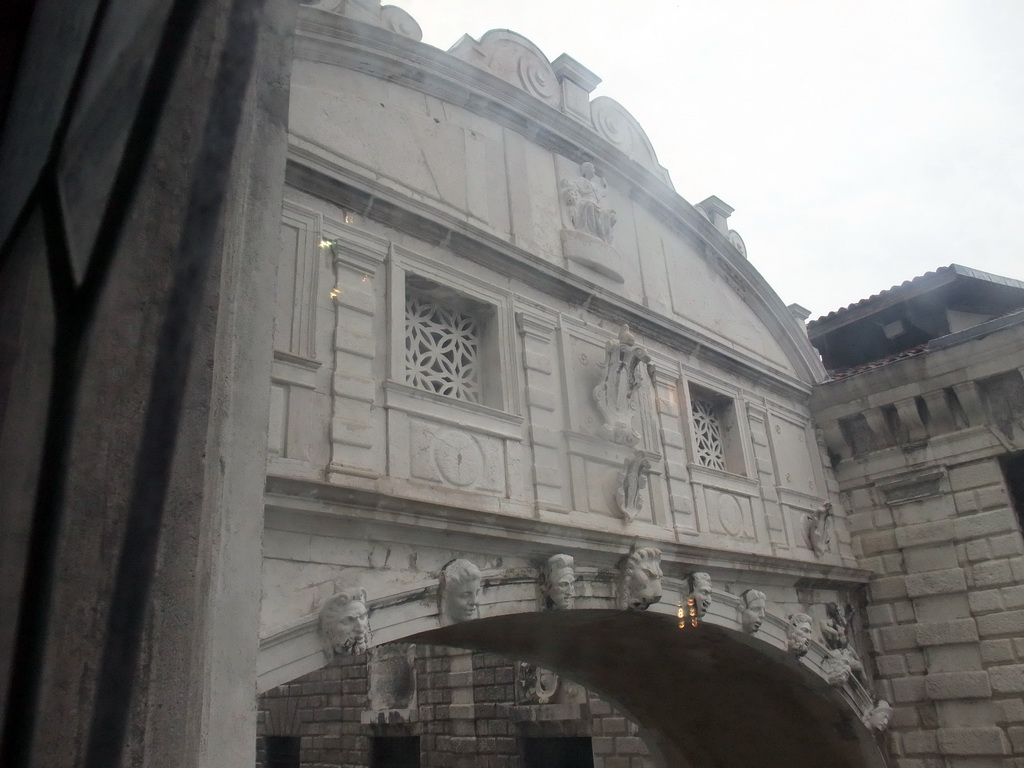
730,515
459,458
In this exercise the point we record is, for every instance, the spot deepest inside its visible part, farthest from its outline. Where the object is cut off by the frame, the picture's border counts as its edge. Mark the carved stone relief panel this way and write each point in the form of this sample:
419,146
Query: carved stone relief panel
393,677
590,222
729,514
454,457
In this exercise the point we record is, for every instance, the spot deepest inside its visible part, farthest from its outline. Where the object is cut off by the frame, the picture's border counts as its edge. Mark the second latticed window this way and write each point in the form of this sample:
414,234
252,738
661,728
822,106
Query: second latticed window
446,341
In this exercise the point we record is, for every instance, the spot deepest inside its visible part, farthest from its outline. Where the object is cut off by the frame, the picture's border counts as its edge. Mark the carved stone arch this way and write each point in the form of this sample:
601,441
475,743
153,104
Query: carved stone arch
514,59
613,122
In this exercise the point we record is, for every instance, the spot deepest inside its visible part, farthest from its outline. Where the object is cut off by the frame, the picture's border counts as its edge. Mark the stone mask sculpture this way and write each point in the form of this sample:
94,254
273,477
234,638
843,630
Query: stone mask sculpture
798,635
345,623
752,610
700,592
639,585
459,591
557,584
877,718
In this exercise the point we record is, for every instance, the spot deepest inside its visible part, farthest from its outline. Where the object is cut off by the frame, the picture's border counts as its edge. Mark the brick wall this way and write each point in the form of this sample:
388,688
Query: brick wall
467,716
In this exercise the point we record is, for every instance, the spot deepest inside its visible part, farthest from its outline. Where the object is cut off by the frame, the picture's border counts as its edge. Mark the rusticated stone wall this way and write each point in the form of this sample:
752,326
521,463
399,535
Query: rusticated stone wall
466,715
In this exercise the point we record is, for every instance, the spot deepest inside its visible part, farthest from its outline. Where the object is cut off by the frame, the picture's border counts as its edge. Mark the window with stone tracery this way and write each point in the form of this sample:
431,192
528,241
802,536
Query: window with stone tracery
707,432
442,349
716,439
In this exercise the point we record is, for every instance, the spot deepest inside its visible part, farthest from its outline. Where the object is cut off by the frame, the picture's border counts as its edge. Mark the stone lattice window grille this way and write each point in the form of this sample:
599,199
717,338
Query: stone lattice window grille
442,348
707,430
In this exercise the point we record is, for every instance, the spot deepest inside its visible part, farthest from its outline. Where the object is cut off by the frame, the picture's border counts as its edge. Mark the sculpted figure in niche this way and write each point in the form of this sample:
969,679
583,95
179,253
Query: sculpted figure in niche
557,585
835,631
345,623
459,591
700,591
798,635
877,718
752,610
639,584
584,198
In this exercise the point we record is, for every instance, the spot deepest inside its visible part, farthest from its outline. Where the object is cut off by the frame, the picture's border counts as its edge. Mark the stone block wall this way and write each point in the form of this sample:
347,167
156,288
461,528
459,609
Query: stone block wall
946,615
467,715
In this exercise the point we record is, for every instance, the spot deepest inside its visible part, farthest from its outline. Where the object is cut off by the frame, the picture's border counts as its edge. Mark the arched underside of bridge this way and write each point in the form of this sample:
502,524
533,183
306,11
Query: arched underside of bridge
705,696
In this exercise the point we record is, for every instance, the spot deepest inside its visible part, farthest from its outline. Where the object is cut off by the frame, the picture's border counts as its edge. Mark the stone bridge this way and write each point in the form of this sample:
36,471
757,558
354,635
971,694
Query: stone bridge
504,341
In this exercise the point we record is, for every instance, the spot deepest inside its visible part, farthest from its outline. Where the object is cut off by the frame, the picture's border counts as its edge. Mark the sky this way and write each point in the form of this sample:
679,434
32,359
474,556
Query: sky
861,142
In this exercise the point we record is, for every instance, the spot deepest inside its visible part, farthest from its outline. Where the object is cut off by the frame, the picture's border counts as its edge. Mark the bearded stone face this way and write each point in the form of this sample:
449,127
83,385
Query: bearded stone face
799,633
348,628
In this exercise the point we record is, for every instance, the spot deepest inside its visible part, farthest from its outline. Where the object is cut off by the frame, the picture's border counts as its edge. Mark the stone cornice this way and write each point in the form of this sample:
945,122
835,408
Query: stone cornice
424,521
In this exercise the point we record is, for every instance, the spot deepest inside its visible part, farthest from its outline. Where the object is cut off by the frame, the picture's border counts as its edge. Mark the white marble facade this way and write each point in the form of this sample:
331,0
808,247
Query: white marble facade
417,209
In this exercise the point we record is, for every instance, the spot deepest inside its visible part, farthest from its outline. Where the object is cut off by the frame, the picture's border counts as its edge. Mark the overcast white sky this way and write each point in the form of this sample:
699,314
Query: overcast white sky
861,142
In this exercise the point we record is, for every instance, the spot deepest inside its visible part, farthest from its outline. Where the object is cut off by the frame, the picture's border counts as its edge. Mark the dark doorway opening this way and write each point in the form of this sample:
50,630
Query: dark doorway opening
1013,473
395,752
558,752
282,751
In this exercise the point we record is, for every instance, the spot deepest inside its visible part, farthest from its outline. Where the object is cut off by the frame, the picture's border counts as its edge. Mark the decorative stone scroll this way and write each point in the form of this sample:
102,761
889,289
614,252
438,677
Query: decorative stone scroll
639,582
877,718
616,395
390,17
459,591
345,623
514,59
629,496
798,634
753,606
700,592
557,583
819,529
613,122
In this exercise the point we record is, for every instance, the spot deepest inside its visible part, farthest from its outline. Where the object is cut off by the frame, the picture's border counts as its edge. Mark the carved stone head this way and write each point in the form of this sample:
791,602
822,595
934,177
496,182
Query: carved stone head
752,610
877,718
557,583
639,584
345,623
836,667
799,633
459,591
700,591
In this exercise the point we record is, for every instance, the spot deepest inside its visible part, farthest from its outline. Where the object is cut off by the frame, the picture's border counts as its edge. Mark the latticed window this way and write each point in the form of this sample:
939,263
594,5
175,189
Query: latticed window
707,430
442,349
